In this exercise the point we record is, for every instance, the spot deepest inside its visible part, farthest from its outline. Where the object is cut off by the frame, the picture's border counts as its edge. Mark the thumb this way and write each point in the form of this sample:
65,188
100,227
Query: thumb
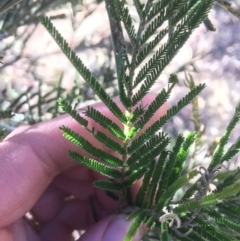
114,227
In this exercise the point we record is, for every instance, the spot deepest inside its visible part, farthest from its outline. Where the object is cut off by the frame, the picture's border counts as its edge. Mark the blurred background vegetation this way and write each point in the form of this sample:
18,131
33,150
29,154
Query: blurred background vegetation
34,72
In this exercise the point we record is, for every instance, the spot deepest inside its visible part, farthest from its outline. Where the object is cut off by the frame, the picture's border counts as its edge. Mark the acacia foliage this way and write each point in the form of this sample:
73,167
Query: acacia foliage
198,214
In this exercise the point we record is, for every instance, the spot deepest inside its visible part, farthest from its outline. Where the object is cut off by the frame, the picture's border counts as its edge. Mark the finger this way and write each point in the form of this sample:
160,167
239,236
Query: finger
75,215
113,227
17,131
48,205
64,188
19,231
5,235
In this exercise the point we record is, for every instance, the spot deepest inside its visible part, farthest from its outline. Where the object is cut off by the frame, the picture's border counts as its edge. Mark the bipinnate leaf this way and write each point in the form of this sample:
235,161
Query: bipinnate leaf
231,178
222,220
219,196
127,20
146,50
150,223
82,69
218,153
140,198
139,219
108,185
109,142
72,112
212,232
136,161
105,122
231,209
87,146
160,99
173,188
209,200
123,78
164,232
154,67
95,165
135,176
139,7
182,156
164,26
168,167
232,151
156,179
149,133
6,114
112,195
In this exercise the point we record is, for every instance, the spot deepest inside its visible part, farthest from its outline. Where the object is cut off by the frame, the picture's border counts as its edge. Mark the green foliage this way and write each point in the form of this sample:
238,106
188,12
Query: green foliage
36,104
227,5
199,212
218,154
5,114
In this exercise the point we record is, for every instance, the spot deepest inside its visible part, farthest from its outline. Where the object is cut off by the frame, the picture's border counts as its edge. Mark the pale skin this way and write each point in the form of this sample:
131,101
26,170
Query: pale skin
37,175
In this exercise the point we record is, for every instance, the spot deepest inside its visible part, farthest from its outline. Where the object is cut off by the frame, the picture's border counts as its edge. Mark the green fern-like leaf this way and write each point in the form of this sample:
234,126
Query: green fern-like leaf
153,26
144,186
220,219
218,154
232,151
107,185
135,161
211,232
95,165
172,189
66,107
164,232
169,167
163,56
182,156
156,185
160,99
105,122
109,142
139,219
127,20
156,8
146,50
148,134
229,180
122,79
82,69
163,28
209,200
87,146
231,209
6,114
225,193
134,177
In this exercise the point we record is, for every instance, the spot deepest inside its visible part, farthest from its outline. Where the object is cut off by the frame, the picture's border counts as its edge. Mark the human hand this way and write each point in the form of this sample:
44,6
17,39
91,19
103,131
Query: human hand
37,175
